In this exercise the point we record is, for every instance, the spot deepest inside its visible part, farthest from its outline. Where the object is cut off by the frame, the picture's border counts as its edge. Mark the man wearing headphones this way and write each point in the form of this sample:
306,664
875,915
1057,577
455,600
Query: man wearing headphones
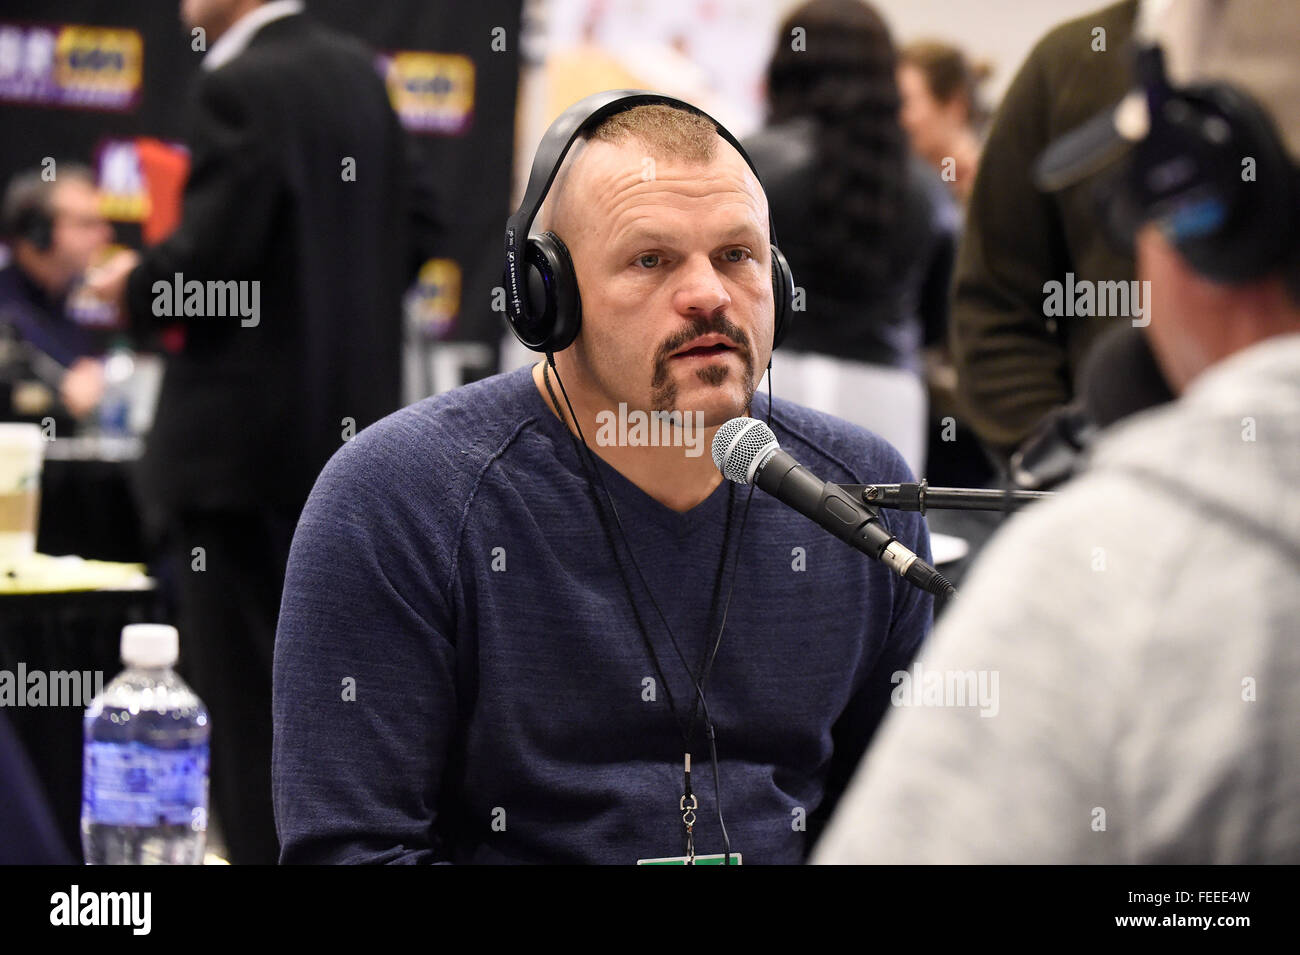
54,231
1143,623
527,620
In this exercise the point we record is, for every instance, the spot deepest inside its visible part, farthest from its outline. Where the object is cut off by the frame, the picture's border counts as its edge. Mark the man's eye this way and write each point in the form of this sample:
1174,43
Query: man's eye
647,261
736,255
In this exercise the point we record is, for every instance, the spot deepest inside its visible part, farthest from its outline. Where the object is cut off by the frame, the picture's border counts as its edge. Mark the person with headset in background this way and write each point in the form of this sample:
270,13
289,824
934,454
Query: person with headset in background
1142,624
49,364
515,611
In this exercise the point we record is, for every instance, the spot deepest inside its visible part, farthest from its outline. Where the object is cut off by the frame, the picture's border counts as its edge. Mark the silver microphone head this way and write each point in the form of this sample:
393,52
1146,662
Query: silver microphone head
741,446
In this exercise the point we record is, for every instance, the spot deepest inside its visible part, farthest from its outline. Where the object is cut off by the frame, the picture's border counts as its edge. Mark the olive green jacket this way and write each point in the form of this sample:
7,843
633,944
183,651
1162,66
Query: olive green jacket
1014,364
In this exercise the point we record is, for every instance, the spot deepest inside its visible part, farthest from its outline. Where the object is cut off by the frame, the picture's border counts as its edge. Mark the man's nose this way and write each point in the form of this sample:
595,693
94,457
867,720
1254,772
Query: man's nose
701,291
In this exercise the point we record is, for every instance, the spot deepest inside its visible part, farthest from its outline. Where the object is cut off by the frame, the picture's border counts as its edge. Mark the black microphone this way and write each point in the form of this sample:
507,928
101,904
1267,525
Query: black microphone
1052,453
747,452
1119,378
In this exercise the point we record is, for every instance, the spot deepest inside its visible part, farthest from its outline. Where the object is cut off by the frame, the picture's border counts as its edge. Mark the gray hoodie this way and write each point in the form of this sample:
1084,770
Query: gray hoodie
1119,680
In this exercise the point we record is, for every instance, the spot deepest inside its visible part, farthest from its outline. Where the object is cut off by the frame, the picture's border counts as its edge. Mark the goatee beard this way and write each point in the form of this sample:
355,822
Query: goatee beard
663,388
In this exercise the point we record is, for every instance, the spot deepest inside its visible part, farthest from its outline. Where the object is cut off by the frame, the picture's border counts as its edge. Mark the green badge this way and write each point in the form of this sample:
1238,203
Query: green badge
719,859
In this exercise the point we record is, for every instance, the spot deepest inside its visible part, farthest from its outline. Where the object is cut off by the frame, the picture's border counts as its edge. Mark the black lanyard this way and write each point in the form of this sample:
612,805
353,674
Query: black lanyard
688,802
686,729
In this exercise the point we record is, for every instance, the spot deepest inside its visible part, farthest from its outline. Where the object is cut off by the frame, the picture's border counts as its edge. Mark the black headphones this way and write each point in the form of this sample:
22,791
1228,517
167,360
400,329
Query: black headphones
542,302
1187,176
37,226
33,222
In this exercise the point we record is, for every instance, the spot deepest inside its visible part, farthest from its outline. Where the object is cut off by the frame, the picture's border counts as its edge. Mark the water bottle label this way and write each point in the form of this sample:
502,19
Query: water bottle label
134,784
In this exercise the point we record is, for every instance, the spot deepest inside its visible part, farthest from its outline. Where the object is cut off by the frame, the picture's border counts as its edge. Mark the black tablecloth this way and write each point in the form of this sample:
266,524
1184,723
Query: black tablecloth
68,632
87,509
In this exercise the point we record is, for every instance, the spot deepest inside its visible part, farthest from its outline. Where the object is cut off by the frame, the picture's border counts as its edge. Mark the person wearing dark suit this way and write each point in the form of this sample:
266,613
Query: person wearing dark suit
296,222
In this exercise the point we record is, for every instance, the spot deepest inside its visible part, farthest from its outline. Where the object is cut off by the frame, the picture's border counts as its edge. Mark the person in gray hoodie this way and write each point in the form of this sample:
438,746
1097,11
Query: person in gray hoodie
1116,682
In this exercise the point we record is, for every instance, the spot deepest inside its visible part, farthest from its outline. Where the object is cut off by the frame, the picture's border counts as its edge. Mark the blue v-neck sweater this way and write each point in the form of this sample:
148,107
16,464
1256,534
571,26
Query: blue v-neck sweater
459,673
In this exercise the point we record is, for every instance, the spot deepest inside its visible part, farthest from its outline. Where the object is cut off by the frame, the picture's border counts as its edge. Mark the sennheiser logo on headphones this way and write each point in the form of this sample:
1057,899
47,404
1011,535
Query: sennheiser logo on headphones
512,270
1085,298
651,429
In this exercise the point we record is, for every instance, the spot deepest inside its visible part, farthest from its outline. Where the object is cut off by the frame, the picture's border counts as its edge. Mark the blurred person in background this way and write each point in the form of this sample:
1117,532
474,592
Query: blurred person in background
298,199
1138,630
50,365
868,228
941,109
944,119
1015,363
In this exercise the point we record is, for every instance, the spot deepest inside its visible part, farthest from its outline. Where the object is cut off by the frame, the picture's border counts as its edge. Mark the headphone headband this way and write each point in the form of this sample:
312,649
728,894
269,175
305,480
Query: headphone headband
556,143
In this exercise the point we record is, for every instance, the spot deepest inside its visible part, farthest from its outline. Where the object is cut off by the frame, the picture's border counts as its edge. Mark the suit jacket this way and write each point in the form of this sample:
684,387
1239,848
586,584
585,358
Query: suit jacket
249,413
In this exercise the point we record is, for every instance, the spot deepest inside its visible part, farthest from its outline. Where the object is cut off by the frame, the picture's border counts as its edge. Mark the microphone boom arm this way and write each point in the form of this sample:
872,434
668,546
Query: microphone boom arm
848,516
918,497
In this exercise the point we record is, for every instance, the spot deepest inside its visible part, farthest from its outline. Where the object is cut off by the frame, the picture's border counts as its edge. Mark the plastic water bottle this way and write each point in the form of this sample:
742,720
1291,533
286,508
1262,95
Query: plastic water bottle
144,794
115,404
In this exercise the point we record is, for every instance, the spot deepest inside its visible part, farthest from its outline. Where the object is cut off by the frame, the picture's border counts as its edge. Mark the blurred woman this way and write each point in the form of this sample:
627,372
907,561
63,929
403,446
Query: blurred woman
941,110
867,228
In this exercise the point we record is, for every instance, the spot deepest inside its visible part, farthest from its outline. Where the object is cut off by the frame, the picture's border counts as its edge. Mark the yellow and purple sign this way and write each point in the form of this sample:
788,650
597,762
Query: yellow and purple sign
67,64
433,303
123,193
430,92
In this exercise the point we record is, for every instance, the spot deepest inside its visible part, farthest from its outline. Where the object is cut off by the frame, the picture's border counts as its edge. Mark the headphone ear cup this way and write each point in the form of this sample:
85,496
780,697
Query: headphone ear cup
43,233
1228,228
1260,230
37,228
563,290
552,311
782,296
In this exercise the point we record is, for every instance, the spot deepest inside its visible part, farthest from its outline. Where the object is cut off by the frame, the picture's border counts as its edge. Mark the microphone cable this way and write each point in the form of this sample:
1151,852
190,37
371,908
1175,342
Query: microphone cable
688,731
